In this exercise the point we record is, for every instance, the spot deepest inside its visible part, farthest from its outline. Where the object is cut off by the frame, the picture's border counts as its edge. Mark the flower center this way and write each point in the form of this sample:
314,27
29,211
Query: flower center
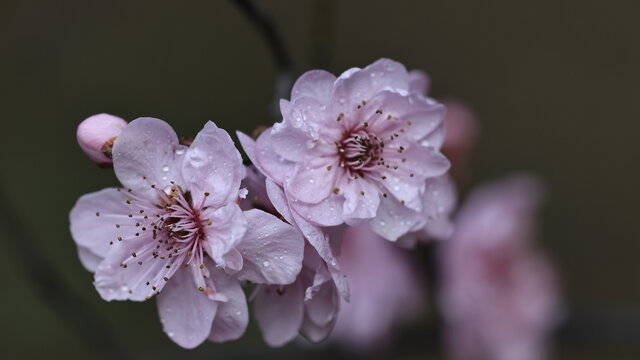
360,151
174,227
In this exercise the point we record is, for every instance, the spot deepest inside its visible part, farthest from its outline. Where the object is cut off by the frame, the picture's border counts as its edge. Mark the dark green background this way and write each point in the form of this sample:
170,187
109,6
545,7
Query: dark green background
556,85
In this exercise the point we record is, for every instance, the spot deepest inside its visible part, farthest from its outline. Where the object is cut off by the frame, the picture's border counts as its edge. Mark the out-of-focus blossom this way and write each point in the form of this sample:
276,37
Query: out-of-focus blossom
356,148
309,306
386,290
96,135
499,296
176,231
462,135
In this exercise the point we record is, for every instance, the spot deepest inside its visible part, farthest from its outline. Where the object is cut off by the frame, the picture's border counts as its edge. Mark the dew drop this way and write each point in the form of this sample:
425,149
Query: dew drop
180,151
265,263
165,168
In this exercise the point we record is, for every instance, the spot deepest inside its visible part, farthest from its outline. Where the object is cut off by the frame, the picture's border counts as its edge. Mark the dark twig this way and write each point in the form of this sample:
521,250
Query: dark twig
284,64
58,296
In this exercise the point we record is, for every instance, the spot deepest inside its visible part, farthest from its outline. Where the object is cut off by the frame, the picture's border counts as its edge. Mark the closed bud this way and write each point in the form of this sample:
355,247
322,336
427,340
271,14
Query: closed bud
96,135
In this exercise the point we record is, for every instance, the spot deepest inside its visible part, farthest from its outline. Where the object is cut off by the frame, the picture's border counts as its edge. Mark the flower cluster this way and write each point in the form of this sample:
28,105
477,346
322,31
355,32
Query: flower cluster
323,217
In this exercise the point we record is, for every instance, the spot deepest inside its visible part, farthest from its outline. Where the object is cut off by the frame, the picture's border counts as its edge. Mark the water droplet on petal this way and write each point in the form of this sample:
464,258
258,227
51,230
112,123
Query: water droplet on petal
265,263
165,168
180,151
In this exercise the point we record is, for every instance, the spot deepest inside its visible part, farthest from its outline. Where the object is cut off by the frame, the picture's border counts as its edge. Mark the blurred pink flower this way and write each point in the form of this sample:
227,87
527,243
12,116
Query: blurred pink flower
462,135
499,296
176,231
386,290
96,135
356,148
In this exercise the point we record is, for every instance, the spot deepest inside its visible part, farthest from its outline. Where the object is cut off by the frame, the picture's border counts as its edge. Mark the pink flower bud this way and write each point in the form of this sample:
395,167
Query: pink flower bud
96,135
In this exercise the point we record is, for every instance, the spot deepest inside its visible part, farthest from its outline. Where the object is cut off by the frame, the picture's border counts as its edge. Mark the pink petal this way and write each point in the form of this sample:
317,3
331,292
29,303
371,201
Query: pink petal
438,203
271,164
232,317
321,244
213,165
115,281
303,125
316,84
88,258
312,182
394,219
361,199
328,212
185,312
147,153
436,138
412,115
272,250
248,145
322,301
228,226
419,82
279,312
279,200
354,86
94,217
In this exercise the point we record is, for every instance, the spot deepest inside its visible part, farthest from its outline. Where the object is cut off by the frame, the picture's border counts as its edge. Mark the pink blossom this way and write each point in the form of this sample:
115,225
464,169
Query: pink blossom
96,135
462,135
386,290
356,148
499,296
176,231
310,305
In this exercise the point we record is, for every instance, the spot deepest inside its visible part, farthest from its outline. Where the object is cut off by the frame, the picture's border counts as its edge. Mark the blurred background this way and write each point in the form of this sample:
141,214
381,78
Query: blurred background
555,85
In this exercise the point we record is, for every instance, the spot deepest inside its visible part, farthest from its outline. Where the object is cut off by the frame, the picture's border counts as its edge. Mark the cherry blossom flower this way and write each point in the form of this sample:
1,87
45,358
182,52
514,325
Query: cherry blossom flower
356,148
175,230
96,135
499,296
386,290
